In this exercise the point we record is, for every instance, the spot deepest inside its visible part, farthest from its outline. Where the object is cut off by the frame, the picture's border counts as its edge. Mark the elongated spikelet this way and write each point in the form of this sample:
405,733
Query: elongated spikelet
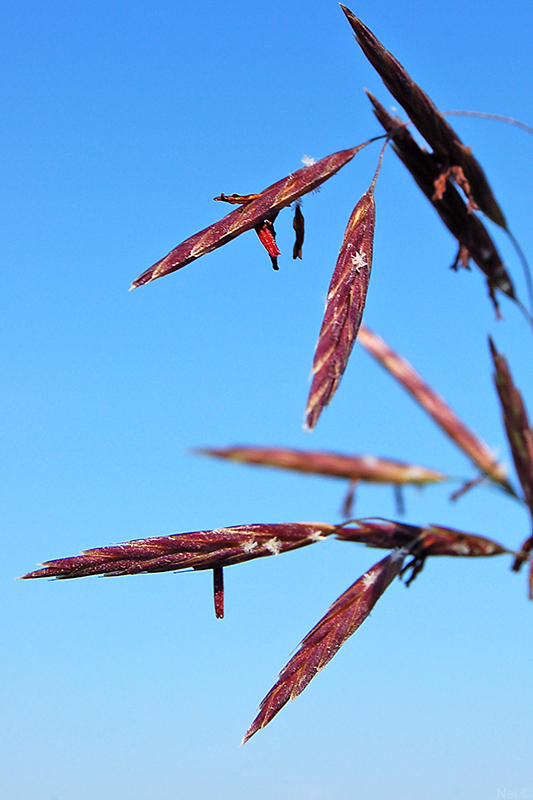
197,550
516,422
327,637
354,468
433,540
248,216
478,452
519,435
344,307
472,236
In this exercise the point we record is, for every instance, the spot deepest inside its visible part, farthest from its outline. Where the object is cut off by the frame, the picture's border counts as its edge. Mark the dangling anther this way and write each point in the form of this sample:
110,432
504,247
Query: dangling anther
237,199
298,225
267,237
218,591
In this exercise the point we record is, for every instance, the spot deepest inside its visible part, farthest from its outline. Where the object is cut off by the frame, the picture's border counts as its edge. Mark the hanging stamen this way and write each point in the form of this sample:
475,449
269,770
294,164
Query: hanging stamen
298,225
267,237
218,591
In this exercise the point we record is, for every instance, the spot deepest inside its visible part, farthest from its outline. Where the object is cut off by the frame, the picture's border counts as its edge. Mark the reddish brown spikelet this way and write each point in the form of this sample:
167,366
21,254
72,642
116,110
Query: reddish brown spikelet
252,213
335,465
516,422
380,533
519,434
473,238
197,550
433,540
327,637
437,132
436,407
344,307
440,541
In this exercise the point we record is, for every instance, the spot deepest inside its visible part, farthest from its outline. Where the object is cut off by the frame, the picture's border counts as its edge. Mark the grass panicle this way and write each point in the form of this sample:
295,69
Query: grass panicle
442,174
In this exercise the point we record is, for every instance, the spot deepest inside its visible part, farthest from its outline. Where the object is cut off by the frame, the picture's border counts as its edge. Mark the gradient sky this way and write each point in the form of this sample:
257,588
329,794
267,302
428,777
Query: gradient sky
121,121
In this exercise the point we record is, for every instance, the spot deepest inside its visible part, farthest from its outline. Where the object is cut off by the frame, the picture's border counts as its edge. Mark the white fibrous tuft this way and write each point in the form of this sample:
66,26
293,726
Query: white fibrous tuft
249,546
274,545
317,536
399,554
369,578
308,161
359,261
461,548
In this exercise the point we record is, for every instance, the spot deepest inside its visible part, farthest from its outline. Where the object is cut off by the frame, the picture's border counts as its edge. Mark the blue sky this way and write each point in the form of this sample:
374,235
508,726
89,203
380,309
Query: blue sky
121,122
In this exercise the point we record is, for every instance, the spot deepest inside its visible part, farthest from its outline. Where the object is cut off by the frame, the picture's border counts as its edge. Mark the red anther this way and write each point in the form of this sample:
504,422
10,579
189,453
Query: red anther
265,231
267,239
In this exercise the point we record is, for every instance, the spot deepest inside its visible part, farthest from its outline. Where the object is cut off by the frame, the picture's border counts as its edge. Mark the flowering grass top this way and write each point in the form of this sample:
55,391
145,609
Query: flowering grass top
456,186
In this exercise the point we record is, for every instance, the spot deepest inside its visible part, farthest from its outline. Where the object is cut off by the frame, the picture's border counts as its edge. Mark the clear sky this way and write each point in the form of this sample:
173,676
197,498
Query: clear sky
121,121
